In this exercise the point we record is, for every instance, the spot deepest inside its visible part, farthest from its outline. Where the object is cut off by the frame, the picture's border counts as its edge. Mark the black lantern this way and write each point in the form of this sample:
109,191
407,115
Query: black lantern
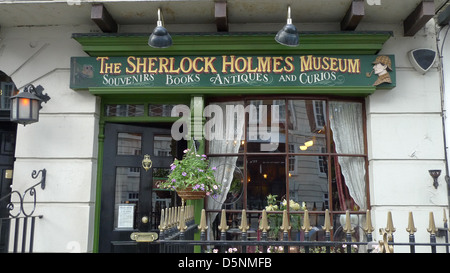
160,37
25,106
288,35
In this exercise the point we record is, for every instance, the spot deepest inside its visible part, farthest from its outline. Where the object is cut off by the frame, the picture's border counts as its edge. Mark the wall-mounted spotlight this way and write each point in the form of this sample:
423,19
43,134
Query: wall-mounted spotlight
435,174
288,35
160,37
25,106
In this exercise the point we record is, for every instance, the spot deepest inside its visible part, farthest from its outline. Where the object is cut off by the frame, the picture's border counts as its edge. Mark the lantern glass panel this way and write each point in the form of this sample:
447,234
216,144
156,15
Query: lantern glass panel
14,109
35,110
24,108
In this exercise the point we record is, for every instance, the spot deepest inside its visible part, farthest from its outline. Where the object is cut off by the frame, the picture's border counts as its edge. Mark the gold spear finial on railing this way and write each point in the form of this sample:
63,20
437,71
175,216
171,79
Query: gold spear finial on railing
285,227
306,224
327,225
368,228
223,222
390,224
244,223
162,223
348,225
411,228
203,226
264,224
432,227
181,223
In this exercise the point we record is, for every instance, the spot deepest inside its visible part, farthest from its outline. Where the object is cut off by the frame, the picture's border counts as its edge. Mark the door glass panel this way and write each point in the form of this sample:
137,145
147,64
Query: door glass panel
126,197
162,145
129,144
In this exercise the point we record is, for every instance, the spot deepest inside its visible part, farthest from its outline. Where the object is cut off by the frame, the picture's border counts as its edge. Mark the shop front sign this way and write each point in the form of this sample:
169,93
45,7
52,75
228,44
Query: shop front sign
234,71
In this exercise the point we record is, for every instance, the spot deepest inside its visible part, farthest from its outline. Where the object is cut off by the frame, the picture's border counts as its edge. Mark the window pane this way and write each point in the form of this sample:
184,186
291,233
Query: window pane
224,128
126,197
346,123
124,110
129,144
308,182
266,129
307,123
6,91
229,172
349,186
266,175
160,110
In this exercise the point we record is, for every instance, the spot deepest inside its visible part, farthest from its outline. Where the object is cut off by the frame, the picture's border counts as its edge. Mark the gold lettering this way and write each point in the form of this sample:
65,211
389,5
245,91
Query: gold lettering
102,63
250,68
289,68
226,63
131,66
354,66
209,65
305,64
276,64
264,64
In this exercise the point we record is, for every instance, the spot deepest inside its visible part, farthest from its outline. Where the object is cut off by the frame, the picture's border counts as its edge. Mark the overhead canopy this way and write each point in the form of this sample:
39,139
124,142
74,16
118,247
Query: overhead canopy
347,14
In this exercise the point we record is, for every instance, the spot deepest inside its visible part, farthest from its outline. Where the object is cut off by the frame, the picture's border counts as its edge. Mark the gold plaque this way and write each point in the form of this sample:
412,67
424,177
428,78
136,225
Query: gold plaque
8,174
144,237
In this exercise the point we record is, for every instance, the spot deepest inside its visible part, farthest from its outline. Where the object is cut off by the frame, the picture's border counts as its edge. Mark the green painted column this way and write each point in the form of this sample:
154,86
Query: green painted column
196,132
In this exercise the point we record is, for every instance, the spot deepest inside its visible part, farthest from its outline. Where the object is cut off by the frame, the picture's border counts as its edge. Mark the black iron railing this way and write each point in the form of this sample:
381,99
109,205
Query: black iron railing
177,236
20,224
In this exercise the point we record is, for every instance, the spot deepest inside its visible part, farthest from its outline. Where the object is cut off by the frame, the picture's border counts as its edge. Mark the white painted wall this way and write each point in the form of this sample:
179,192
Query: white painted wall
405,140
64,141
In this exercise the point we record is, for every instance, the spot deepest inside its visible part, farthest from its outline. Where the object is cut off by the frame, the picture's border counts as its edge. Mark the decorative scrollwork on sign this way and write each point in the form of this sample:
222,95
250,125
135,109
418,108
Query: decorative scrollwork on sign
31,191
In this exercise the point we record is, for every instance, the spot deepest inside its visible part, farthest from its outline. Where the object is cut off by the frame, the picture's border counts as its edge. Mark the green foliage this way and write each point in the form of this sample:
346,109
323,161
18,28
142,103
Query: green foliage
192,171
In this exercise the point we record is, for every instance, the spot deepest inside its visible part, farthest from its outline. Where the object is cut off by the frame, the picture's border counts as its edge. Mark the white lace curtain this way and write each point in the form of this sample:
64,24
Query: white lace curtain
228,134
346,121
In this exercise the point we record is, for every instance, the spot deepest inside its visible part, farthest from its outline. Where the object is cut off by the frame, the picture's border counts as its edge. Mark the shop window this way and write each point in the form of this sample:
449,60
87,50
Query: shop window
315,157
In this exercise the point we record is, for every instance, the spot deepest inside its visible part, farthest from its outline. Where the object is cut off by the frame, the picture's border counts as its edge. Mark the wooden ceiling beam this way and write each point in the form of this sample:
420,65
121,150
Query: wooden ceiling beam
354,15
220,13
419,17
103,19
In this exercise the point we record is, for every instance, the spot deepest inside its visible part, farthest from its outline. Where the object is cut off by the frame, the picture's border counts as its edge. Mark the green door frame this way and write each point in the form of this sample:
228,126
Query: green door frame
94,44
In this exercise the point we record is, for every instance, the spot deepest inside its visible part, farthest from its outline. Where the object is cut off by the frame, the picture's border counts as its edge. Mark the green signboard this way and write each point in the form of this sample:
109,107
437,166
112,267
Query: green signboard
234,71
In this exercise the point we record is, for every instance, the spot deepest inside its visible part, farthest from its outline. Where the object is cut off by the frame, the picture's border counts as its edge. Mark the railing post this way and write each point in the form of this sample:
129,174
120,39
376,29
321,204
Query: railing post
162,227
432,230
223,229
368,229
348,231
411,229
327,228
244,227
264,227
203,227
182,228
306,227
285,227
